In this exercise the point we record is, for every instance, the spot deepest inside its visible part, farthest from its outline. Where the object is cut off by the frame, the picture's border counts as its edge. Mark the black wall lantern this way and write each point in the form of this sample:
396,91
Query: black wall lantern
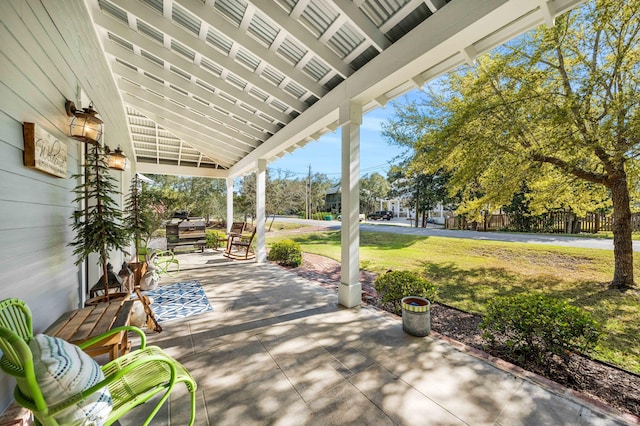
116,159
85,126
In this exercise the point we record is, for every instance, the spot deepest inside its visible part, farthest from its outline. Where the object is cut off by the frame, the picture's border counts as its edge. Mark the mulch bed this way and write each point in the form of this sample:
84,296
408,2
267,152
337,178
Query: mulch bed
600,382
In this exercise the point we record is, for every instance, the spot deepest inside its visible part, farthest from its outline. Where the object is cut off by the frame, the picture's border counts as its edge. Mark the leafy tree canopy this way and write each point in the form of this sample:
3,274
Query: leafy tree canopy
557,109
373,187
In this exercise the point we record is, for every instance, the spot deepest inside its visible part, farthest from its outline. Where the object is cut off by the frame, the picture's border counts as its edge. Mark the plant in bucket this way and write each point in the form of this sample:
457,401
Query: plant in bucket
409,294
416,316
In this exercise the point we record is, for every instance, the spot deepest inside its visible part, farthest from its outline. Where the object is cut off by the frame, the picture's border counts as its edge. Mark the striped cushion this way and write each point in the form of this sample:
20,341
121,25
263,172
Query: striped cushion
63,370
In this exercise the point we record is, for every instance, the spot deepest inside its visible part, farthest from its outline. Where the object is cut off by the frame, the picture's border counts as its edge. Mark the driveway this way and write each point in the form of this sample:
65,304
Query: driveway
402,226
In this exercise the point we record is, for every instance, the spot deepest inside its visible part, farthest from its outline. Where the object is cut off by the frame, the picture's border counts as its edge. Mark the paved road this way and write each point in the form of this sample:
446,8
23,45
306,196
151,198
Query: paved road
401,226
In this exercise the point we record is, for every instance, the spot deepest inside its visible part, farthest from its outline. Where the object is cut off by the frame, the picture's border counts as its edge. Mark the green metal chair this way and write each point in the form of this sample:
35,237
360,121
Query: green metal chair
16,315
163,259
131,379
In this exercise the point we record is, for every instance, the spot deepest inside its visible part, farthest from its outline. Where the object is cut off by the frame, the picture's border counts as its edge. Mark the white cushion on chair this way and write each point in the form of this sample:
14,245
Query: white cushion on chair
62,370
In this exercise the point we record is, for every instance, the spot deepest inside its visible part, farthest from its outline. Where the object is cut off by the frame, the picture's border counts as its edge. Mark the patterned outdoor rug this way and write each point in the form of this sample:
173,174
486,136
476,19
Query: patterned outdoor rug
179,300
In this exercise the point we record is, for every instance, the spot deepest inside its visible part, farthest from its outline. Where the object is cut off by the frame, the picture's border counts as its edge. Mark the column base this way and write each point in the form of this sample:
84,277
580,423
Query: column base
350,295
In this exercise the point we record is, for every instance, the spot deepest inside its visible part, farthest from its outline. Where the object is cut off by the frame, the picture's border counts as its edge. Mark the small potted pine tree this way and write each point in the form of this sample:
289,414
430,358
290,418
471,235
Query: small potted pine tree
140,223
99,230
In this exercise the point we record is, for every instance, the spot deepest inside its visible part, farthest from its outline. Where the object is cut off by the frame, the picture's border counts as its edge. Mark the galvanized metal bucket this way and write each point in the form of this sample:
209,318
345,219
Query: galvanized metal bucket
416,316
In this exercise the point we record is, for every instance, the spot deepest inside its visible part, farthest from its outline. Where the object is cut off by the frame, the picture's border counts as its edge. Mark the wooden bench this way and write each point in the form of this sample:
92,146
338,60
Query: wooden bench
81,325
200,245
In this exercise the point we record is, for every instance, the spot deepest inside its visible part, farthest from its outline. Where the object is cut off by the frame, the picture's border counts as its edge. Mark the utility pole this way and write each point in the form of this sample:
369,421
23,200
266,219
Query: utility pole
309,194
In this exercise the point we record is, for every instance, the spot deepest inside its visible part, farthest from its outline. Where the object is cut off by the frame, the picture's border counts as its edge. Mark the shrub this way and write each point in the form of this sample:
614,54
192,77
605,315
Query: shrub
286,253
532,325
394,285
212,237
320,215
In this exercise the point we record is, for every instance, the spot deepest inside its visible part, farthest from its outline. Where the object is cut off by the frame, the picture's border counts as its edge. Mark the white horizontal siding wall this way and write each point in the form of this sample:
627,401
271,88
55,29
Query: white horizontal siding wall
49,52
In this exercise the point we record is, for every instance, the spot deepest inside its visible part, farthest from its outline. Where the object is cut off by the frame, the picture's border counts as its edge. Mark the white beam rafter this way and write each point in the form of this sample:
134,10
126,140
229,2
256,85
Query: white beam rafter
333,28
186,38
167,169
302,35
194,138
216,131
435,5
162,108
207,110
239,37
400,14
119,29
229,95
363,24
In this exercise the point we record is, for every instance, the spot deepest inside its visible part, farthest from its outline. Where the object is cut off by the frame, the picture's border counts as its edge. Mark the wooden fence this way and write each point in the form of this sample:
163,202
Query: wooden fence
559,222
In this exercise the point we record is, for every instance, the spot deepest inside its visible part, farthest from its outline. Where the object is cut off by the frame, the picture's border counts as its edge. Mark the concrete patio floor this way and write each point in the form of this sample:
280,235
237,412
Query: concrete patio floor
277,349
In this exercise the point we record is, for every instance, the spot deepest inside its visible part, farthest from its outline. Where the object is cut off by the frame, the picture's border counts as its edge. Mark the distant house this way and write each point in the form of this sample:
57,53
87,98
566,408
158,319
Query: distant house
333,199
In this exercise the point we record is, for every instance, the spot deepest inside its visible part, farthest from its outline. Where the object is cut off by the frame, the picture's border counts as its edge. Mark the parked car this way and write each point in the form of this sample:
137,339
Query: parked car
360,217
381,214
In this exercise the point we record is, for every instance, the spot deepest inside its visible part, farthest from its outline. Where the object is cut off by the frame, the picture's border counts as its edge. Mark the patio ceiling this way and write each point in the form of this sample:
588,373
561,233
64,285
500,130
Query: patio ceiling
210,86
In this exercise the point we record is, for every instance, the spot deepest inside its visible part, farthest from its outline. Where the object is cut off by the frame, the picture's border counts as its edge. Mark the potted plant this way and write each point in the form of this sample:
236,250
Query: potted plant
99,230
140,223
409,294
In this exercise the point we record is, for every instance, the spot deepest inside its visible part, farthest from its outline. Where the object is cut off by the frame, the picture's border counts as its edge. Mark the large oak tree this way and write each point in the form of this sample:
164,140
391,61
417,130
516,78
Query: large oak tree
556,109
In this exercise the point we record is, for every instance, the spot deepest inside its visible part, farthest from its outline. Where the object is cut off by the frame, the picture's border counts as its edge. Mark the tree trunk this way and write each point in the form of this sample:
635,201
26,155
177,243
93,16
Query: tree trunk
622,243
105,272
417,202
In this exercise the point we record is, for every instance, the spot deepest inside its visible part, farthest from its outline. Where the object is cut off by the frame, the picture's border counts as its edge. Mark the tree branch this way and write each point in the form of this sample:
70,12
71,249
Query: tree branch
576,171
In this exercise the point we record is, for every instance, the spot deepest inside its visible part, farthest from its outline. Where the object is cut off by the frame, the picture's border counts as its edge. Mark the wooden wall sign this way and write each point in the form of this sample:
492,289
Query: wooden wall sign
43,152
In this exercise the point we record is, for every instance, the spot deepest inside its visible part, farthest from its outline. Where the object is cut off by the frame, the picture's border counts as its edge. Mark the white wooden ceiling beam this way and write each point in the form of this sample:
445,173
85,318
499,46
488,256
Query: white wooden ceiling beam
275,45
357,51
168,93
131,75
363,24
187,38
435,5
121,30
297,10
303,36
547,11
171,111
167,8
469,53
332,29
166,169
192,139
211,145
239,37
402,13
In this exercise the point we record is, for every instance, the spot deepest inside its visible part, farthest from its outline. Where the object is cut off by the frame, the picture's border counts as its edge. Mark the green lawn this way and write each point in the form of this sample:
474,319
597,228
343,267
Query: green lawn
282,226
469,273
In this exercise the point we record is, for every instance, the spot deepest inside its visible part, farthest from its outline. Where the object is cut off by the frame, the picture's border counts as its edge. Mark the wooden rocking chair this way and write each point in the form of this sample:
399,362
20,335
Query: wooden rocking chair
236,230
238,245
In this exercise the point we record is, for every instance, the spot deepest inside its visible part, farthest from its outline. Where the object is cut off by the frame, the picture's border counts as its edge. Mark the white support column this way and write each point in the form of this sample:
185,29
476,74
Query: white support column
350,291
229,203
261,185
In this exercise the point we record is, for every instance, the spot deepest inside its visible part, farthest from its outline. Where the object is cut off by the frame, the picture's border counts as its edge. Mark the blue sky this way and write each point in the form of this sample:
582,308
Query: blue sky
324,154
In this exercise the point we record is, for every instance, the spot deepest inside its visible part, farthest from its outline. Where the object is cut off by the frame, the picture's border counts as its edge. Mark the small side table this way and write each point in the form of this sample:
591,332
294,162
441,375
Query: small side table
81,325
